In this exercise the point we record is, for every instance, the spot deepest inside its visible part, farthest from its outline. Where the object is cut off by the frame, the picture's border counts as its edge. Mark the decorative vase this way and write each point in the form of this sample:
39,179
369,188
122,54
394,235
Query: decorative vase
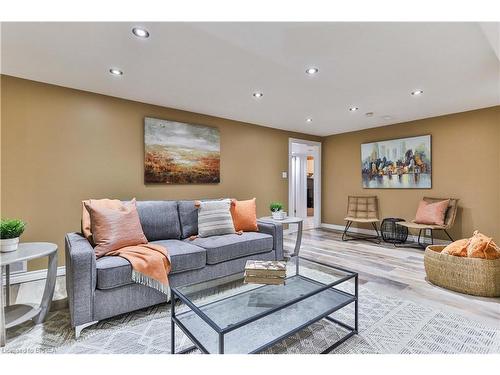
278,215
9,244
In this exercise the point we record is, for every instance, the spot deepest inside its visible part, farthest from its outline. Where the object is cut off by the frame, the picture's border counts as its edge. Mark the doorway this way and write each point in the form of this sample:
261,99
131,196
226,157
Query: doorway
304,184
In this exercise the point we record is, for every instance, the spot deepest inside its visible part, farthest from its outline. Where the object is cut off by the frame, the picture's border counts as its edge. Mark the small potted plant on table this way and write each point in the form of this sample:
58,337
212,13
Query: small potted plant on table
10,230
277,210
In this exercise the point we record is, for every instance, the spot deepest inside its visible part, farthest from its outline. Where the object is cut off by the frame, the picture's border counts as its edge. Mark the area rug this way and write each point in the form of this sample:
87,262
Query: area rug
387,325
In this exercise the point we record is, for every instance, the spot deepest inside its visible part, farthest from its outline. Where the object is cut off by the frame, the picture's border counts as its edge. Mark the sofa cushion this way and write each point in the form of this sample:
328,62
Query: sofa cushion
114,271
184,256
159,219
188,216
232,246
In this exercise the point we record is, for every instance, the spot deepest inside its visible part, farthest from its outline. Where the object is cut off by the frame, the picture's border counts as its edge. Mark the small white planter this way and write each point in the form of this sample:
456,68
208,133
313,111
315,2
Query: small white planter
9,244
278,215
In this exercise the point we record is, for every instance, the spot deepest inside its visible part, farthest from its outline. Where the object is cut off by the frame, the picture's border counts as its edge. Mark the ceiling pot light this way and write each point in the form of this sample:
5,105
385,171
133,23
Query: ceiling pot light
417,92
387,118
369,114
353,109
258,94
140,32
309,119
116,72
312,71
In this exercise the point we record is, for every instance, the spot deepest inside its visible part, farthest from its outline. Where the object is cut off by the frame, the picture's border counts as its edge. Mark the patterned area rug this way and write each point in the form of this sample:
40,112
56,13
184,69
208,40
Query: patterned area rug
387,325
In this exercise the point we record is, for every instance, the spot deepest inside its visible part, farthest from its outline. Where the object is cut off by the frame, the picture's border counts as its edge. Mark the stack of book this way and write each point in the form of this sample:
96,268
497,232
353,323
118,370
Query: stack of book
265,272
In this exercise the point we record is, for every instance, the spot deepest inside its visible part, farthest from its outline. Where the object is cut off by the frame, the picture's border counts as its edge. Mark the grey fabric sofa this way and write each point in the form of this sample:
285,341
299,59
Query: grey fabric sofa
102,288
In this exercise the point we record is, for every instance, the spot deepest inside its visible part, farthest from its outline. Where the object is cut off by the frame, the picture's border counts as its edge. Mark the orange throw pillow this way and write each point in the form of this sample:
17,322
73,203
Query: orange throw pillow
86,227
457,248
114,228
431,213
244,215
482,247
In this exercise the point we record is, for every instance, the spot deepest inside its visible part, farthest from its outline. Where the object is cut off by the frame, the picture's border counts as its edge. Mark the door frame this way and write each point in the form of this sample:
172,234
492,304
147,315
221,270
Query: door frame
317,179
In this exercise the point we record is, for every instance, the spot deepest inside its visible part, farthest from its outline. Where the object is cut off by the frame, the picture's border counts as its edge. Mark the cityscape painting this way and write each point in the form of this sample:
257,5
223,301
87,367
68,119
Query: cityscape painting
180,153
397,164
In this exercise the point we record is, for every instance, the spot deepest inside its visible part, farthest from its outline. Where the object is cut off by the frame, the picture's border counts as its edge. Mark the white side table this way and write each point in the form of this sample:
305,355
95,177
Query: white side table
298,241
13,315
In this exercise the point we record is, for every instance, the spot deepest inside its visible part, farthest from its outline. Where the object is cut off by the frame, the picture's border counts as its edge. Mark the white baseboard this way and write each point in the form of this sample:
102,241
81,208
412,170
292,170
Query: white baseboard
25,277
371,232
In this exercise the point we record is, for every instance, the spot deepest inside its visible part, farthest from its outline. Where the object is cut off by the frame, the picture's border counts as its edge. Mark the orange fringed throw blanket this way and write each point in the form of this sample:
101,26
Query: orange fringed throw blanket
150,264
477,246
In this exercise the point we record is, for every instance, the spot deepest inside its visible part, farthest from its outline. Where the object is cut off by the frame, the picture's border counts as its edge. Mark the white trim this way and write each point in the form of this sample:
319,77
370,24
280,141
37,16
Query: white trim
317,179
26,277
371,232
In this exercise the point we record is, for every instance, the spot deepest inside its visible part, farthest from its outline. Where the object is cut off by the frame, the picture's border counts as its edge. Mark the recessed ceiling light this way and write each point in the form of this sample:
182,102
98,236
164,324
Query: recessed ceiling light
387,118
417,92
258,94
116,72
309,119
369,114
353,109
312,71
140,32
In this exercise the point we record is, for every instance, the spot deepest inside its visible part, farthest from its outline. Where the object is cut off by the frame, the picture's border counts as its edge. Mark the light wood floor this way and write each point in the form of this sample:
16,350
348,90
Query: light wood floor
395,271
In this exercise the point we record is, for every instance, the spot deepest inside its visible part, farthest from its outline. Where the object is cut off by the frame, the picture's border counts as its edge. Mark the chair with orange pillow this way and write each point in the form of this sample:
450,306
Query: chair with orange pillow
449,219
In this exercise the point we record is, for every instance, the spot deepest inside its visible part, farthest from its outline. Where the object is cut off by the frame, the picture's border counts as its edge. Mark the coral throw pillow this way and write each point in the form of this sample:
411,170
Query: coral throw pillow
107,203
431,213
114,228
457,248
482,247
244,215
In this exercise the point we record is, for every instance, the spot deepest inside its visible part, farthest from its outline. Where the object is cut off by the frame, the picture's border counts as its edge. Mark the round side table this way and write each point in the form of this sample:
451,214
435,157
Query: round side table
13,315
289,220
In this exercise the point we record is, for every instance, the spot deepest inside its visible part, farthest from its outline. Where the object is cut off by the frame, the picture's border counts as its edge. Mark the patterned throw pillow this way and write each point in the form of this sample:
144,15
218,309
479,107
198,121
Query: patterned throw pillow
214,218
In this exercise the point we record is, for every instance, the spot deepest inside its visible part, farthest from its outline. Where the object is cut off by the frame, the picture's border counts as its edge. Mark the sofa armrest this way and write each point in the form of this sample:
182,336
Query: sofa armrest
80,278
275,230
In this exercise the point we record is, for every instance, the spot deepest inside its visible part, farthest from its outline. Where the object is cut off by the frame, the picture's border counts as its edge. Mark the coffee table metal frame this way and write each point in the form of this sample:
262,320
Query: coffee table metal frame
178,295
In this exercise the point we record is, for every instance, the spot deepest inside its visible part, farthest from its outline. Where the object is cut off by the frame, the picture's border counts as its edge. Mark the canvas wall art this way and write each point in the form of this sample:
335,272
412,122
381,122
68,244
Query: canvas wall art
397,164
180,153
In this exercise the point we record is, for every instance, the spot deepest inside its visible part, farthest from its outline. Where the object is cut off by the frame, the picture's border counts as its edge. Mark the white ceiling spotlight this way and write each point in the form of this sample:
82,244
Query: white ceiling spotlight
417,92
311,71
116,72
258,94
353,109
140,32
309,119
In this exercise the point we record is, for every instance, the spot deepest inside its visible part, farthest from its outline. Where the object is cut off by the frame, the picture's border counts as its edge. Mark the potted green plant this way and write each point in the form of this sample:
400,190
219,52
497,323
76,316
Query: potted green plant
10,230
277,210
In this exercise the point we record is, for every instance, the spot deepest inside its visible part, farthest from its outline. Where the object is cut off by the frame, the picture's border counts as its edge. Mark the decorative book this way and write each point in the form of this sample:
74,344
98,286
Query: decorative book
265,272
266,268
264,280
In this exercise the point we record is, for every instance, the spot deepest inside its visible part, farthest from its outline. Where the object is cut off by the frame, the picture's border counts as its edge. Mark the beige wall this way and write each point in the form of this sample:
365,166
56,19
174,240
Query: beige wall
465,163
60,146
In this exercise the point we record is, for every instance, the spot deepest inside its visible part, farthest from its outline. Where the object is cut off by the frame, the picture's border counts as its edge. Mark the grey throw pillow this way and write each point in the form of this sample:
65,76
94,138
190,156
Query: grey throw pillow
214,218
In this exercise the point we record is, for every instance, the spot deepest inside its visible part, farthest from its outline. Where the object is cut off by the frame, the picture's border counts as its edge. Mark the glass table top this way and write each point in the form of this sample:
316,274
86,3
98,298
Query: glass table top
260,313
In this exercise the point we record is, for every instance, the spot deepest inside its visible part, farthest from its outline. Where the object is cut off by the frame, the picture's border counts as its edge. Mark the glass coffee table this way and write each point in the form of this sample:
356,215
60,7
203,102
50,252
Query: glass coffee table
250,318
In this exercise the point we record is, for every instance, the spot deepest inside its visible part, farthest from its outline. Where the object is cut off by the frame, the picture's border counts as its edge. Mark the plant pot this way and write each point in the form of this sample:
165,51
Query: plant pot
9,244
278,215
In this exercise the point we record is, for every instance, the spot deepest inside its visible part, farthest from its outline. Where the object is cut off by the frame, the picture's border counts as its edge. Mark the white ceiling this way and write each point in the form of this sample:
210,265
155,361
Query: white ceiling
214,68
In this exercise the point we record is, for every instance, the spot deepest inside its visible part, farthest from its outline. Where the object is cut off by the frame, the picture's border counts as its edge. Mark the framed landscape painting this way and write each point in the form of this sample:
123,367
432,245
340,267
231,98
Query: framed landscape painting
180,153
403,163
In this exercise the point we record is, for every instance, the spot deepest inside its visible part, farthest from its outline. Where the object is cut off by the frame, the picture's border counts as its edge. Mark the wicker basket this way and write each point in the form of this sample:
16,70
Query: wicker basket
479,277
